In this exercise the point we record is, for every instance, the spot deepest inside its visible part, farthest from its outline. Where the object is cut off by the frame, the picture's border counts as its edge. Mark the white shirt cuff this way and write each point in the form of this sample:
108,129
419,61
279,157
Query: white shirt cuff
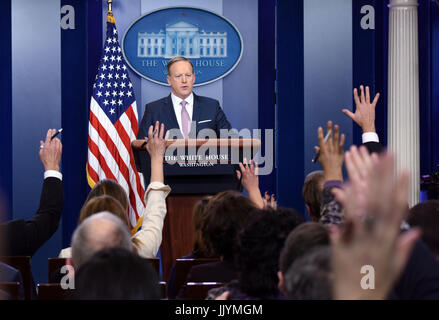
53,173
370,137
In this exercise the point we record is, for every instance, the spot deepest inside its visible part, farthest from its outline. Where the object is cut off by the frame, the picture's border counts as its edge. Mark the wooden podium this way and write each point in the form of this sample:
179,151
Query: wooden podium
193,169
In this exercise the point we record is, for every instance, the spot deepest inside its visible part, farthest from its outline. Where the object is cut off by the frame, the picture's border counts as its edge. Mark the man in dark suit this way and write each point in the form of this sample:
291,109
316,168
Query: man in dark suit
23,238
182,110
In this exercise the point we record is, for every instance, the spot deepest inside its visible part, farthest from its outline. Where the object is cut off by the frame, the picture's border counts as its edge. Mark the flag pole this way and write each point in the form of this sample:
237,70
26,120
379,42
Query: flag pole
110,6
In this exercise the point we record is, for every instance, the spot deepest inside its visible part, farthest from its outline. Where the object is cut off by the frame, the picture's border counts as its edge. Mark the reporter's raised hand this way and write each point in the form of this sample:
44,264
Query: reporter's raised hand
51,151
364,114
331,152
375,204
250,181
156,147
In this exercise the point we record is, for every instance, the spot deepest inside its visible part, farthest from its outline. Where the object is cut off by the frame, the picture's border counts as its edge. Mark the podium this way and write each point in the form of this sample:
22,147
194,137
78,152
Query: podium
193,169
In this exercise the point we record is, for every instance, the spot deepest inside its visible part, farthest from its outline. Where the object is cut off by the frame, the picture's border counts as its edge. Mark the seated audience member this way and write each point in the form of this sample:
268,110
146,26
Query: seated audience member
116,274
312,193
310,276
228,210
299,242
24,238
201,248
95,205
425,215
147,241
100,231
257,260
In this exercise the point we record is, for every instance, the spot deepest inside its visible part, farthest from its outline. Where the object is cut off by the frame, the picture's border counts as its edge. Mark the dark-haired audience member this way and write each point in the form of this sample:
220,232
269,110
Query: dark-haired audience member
299,242
426,216
310,276
312,193
201,248
228,210
257,260
116,274
147,241
24,238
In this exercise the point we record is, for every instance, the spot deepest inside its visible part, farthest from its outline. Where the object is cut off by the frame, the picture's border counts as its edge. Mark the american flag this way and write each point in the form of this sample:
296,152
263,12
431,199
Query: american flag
113,124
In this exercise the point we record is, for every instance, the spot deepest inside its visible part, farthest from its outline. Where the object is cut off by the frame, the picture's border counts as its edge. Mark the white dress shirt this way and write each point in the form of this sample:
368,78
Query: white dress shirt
176,102
370,137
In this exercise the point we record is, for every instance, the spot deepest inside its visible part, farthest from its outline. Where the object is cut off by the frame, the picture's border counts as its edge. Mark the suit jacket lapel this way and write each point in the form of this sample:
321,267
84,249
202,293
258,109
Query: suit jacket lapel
170,114
195,117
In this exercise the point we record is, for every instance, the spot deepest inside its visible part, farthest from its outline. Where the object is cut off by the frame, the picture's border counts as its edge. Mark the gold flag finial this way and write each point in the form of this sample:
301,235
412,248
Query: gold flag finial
110,5
110,17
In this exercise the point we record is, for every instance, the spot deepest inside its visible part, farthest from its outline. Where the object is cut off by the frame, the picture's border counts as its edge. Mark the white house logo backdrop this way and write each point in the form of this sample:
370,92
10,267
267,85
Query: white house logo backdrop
210,41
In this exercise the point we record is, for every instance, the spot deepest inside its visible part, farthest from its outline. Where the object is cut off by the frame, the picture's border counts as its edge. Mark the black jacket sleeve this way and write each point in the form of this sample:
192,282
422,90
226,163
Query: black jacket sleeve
26,237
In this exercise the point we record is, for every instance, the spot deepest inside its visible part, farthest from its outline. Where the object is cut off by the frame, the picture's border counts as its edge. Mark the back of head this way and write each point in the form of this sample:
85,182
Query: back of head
116,274
100,231
110,188
103,203
300,241
309,277
426,216
202,248
312,193
260,243
227,212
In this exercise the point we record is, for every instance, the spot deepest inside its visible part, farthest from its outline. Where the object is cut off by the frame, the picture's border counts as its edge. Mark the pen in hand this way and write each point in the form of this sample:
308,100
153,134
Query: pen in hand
56,133
316,157
146,139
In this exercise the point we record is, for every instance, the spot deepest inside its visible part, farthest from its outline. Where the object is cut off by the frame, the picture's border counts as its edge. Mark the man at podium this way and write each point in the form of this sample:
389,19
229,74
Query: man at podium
183,111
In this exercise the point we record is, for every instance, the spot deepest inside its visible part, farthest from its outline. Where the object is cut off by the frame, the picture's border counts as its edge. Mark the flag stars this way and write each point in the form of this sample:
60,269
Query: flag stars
99,94
107,49
104,67
112,111
124,76
130,85
117,67
119,102
118,59
106,102
108,84
113,49
116,76
112,58
129,94
113,102
122,85
109,40
114,31
107,93
119,49
100,85
124,67
102,76
114,93
115,85
105,58
121,94
111,67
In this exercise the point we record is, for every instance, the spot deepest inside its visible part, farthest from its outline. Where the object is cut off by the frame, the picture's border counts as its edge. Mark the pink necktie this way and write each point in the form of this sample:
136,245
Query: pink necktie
185,119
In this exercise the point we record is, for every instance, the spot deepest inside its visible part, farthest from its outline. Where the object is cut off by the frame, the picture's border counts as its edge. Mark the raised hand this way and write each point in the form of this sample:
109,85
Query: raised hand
375,204
250,181
51,151
156,147
364,114
331,152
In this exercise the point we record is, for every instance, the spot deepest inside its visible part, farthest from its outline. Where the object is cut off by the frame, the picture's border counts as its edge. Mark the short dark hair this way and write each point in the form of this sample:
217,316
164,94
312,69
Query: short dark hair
309,277
300,241
312,193
426,216
260,243
116,274
177,59
228,211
